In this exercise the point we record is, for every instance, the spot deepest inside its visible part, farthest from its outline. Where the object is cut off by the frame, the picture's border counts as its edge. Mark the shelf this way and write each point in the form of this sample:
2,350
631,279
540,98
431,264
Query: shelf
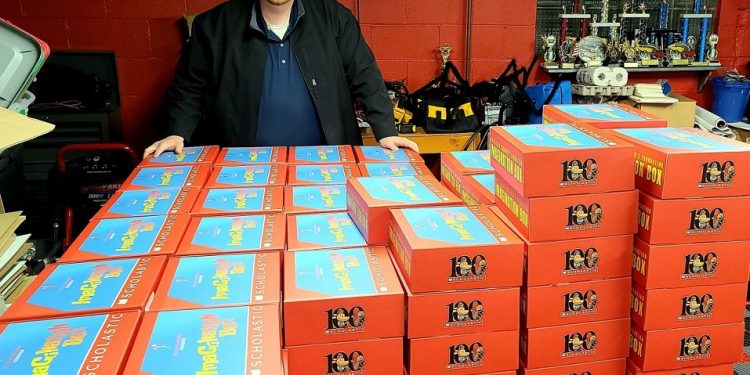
575,16
635,15
697,16
645,69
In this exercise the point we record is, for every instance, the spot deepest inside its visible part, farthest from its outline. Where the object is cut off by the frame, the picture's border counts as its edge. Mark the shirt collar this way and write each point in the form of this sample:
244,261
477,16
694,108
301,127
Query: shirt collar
258,23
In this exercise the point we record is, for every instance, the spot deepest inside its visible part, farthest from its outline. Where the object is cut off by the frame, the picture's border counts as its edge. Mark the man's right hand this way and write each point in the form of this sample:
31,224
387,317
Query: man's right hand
172,143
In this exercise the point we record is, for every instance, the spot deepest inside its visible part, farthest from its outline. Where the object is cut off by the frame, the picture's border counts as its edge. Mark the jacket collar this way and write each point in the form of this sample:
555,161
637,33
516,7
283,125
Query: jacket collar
258,23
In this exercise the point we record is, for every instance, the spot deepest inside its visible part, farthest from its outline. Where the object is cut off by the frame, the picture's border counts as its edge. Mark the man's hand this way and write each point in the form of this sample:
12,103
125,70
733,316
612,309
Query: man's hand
172,143
393,143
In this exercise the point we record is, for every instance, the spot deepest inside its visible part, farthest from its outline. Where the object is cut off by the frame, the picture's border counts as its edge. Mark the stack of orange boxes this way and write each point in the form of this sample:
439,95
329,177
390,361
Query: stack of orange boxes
461,268
567,191
690,260
469,175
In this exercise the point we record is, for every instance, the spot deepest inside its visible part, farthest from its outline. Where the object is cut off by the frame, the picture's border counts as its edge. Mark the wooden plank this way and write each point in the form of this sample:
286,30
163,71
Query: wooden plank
429,143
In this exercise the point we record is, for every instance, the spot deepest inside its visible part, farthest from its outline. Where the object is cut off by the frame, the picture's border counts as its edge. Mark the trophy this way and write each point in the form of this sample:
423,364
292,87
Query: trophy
592,50
567,53
629,53
677,54
549,42
613,47
713,54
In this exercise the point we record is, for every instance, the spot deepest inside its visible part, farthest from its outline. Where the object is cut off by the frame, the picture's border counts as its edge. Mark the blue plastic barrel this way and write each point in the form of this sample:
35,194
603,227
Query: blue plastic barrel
541,92
730,99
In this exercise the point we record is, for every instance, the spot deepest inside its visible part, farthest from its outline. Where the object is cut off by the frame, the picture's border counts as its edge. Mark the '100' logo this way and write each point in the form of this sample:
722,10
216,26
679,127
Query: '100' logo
465,356
579,344
465,268
349,320
695,307
578,261
716,174
582,217
693,348
703,221
700,265
579,303
577,172
465,314
343,363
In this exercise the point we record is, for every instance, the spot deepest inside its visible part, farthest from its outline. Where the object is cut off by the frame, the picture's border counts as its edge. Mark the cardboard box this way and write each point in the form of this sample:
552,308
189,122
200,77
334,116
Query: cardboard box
570,216
478,189
560,159
341,295
688,163
610,367
678,266
314,199
678,115
251,175
252,155
679,348
725,369
220,341
602,116
742,131
686,221
574,344
96,344
377,154
219,281
657,309
233,234
88,288
587,301
370,198
134,203
584,259
330,230
364,357
455,248
321,174
321,155
167,177
474,353
457,163
190,155
239,201
393,169
127,237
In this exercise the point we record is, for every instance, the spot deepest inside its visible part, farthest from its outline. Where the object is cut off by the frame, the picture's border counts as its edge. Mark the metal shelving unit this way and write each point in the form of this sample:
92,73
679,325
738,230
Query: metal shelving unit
645,69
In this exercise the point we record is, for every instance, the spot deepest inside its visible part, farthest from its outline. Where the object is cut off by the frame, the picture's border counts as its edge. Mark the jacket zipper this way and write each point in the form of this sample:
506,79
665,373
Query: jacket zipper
313,87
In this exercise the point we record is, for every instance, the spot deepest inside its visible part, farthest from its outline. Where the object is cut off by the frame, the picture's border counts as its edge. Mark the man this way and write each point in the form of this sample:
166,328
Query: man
277,73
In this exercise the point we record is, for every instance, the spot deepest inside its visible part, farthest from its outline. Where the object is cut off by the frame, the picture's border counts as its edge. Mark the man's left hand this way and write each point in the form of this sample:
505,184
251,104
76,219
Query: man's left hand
393,143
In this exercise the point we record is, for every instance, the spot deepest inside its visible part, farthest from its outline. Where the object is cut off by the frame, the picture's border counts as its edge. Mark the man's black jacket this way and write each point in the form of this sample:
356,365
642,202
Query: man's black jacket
219,79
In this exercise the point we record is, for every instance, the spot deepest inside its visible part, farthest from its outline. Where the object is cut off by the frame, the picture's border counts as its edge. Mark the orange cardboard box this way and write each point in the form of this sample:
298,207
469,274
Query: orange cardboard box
218,281
683,347
657,309
127,237
560,159
570,216
341,295
602,116
377,154
455,248
314,199
370,198
457,163
610,367
190,155
393,169
321,174
725,369
252,155
234,234
474,353
364,357
686,221
584,259
249,175
321,155
245,339
85,288
133,203
478,189
575,343
329,230
688,163
677,266
239,201
586,301
167,177
82,345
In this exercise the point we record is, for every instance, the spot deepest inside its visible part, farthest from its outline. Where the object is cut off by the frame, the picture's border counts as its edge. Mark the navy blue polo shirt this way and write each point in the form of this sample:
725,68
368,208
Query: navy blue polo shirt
288,116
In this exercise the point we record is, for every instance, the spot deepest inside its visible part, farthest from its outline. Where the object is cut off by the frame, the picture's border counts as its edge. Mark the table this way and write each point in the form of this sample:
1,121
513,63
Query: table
429,143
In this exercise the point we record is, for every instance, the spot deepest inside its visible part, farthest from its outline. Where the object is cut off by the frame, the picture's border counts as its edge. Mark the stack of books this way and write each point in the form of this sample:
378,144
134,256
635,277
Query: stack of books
14,251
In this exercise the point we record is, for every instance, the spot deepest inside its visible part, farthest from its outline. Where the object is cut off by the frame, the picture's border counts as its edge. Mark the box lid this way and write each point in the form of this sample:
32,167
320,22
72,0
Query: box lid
190,155
239,200
133,203
318,197
397,191
542,138
21,57
321,155
392,169
604,112
252,155
328,274
56,346
321,174
471,161
323,230
166,177
376,154
248,175
682,141
231,234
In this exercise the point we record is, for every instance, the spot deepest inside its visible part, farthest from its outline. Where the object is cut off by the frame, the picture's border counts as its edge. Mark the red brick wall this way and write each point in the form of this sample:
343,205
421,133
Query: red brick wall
146,35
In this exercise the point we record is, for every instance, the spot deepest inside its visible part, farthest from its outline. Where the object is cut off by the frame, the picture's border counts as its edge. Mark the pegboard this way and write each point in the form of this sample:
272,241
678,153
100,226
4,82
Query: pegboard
548,21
